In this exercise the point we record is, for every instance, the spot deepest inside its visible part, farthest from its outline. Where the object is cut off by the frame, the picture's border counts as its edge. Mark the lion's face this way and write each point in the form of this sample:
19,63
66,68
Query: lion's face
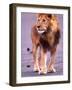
43,22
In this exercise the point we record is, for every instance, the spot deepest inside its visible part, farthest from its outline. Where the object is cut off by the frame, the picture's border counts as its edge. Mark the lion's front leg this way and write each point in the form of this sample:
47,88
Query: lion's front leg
35,57
43,60
51,64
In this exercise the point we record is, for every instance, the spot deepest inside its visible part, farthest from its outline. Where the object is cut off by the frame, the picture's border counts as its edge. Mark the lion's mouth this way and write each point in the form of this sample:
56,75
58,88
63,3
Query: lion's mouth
41,31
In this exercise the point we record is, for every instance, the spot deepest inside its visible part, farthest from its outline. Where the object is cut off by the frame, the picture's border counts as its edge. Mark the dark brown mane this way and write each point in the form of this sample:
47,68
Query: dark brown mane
45,42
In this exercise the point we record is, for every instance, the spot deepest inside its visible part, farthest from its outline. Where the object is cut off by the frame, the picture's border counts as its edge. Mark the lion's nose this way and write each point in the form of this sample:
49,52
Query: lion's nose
38,26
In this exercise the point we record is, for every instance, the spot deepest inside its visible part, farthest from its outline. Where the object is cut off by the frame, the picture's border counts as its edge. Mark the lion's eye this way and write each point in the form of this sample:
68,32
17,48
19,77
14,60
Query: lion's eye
43,20
38,19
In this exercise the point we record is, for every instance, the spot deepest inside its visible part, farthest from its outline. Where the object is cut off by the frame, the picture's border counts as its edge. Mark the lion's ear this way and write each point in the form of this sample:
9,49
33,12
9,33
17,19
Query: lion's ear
54,17
50,16
38,15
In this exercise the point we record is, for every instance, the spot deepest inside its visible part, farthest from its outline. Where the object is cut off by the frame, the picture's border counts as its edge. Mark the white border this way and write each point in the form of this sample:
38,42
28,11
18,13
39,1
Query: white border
63,77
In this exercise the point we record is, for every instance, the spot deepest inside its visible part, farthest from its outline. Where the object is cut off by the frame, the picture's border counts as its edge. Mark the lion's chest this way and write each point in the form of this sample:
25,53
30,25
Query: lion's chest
48,40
